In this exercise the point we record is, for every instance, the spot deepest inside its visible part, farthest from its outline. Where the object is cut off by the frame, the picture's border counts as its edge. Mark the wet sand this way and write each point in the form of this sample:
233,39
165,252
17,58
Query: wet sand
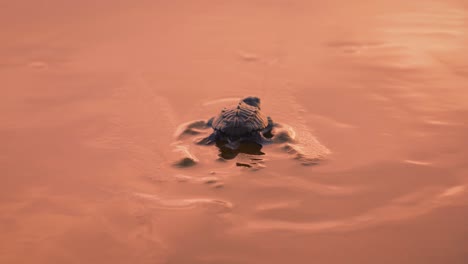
92,95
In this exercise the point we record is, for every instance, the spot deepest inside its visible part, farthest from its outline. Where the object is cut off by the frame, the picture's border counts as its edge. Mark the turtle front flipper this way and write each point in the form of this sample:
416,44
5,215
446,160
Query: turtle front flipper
191,128
261,139
267,131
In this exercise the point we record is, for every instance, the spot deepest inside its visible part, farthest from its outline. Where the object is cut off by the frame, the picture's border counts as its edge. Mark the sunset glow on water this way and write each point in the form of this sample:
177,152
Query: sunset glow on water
95,98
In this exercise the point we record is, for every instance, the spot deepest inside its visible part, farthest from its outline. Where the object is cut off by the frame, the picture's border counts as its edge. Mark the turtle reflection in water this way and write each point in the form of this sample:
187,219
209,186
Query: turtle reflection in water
244,128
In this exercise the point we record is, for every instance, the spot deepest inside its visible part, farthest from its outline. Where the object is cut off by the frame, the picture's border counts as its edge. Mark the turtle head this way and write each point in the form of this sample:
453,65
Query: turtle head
252,100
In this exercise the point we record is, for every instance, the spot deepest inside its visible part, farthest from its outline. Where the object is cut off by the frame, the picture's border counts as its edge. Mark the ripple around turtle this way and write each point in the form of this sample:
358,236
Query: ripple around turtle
183,203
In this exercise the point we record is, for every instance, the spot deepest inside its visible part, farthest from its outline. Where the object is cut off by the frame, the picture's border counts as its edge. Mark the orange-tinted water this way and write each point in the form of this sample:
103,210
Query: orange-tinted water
92,94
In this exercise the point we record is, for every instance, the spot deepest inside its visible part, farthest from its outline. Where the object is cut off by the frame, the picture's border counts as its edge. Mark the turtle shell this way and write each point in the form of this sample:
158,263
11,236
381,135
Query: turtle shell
240,120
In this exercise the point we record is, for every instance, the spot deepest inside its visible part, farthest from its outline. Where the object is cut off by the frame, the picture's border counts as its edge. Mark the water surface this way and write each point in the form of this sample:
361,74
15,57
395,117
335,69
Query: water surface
92,95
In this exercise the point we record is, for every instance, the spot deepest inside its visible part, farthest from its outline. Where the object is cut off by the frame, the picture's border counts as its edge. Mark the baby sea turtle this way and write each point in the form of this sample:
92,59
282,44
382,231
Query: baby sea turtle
240,123
244,128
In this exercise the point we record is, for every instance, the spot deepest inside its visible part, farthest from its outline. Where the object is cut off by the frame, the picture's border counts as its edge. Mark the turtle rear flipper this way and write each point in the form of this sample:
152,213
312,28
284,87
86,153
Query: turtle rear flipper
233,145
209,140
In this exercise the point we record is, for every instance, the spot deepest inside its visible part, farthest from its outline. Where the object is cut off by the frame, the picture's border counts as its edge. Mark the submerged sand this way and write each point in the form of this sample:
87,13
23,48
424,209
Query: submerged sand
92,94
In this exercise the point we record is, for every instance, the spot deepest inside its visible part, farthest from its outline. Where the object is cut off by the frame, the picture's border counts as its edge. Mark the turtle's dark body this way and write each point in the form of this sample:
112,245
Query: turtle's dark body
242,122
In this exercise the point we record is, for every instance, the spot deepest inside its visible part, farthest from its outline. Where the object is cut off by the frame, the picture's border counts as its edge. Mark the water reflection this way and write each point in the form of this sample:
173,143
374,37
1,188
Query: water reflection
245,147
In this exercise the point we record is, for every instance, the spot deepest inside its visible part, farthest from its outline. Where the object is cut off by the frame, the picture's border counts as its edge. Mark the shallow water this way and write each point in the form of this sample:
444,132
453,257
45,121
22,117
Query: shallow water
93,94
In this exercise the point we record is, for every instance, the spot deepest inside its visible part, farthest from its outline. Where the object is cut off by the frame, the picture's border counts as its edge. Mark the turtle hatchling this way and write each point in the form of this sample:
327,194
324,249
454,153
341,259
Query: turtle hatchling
244,128
242,122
